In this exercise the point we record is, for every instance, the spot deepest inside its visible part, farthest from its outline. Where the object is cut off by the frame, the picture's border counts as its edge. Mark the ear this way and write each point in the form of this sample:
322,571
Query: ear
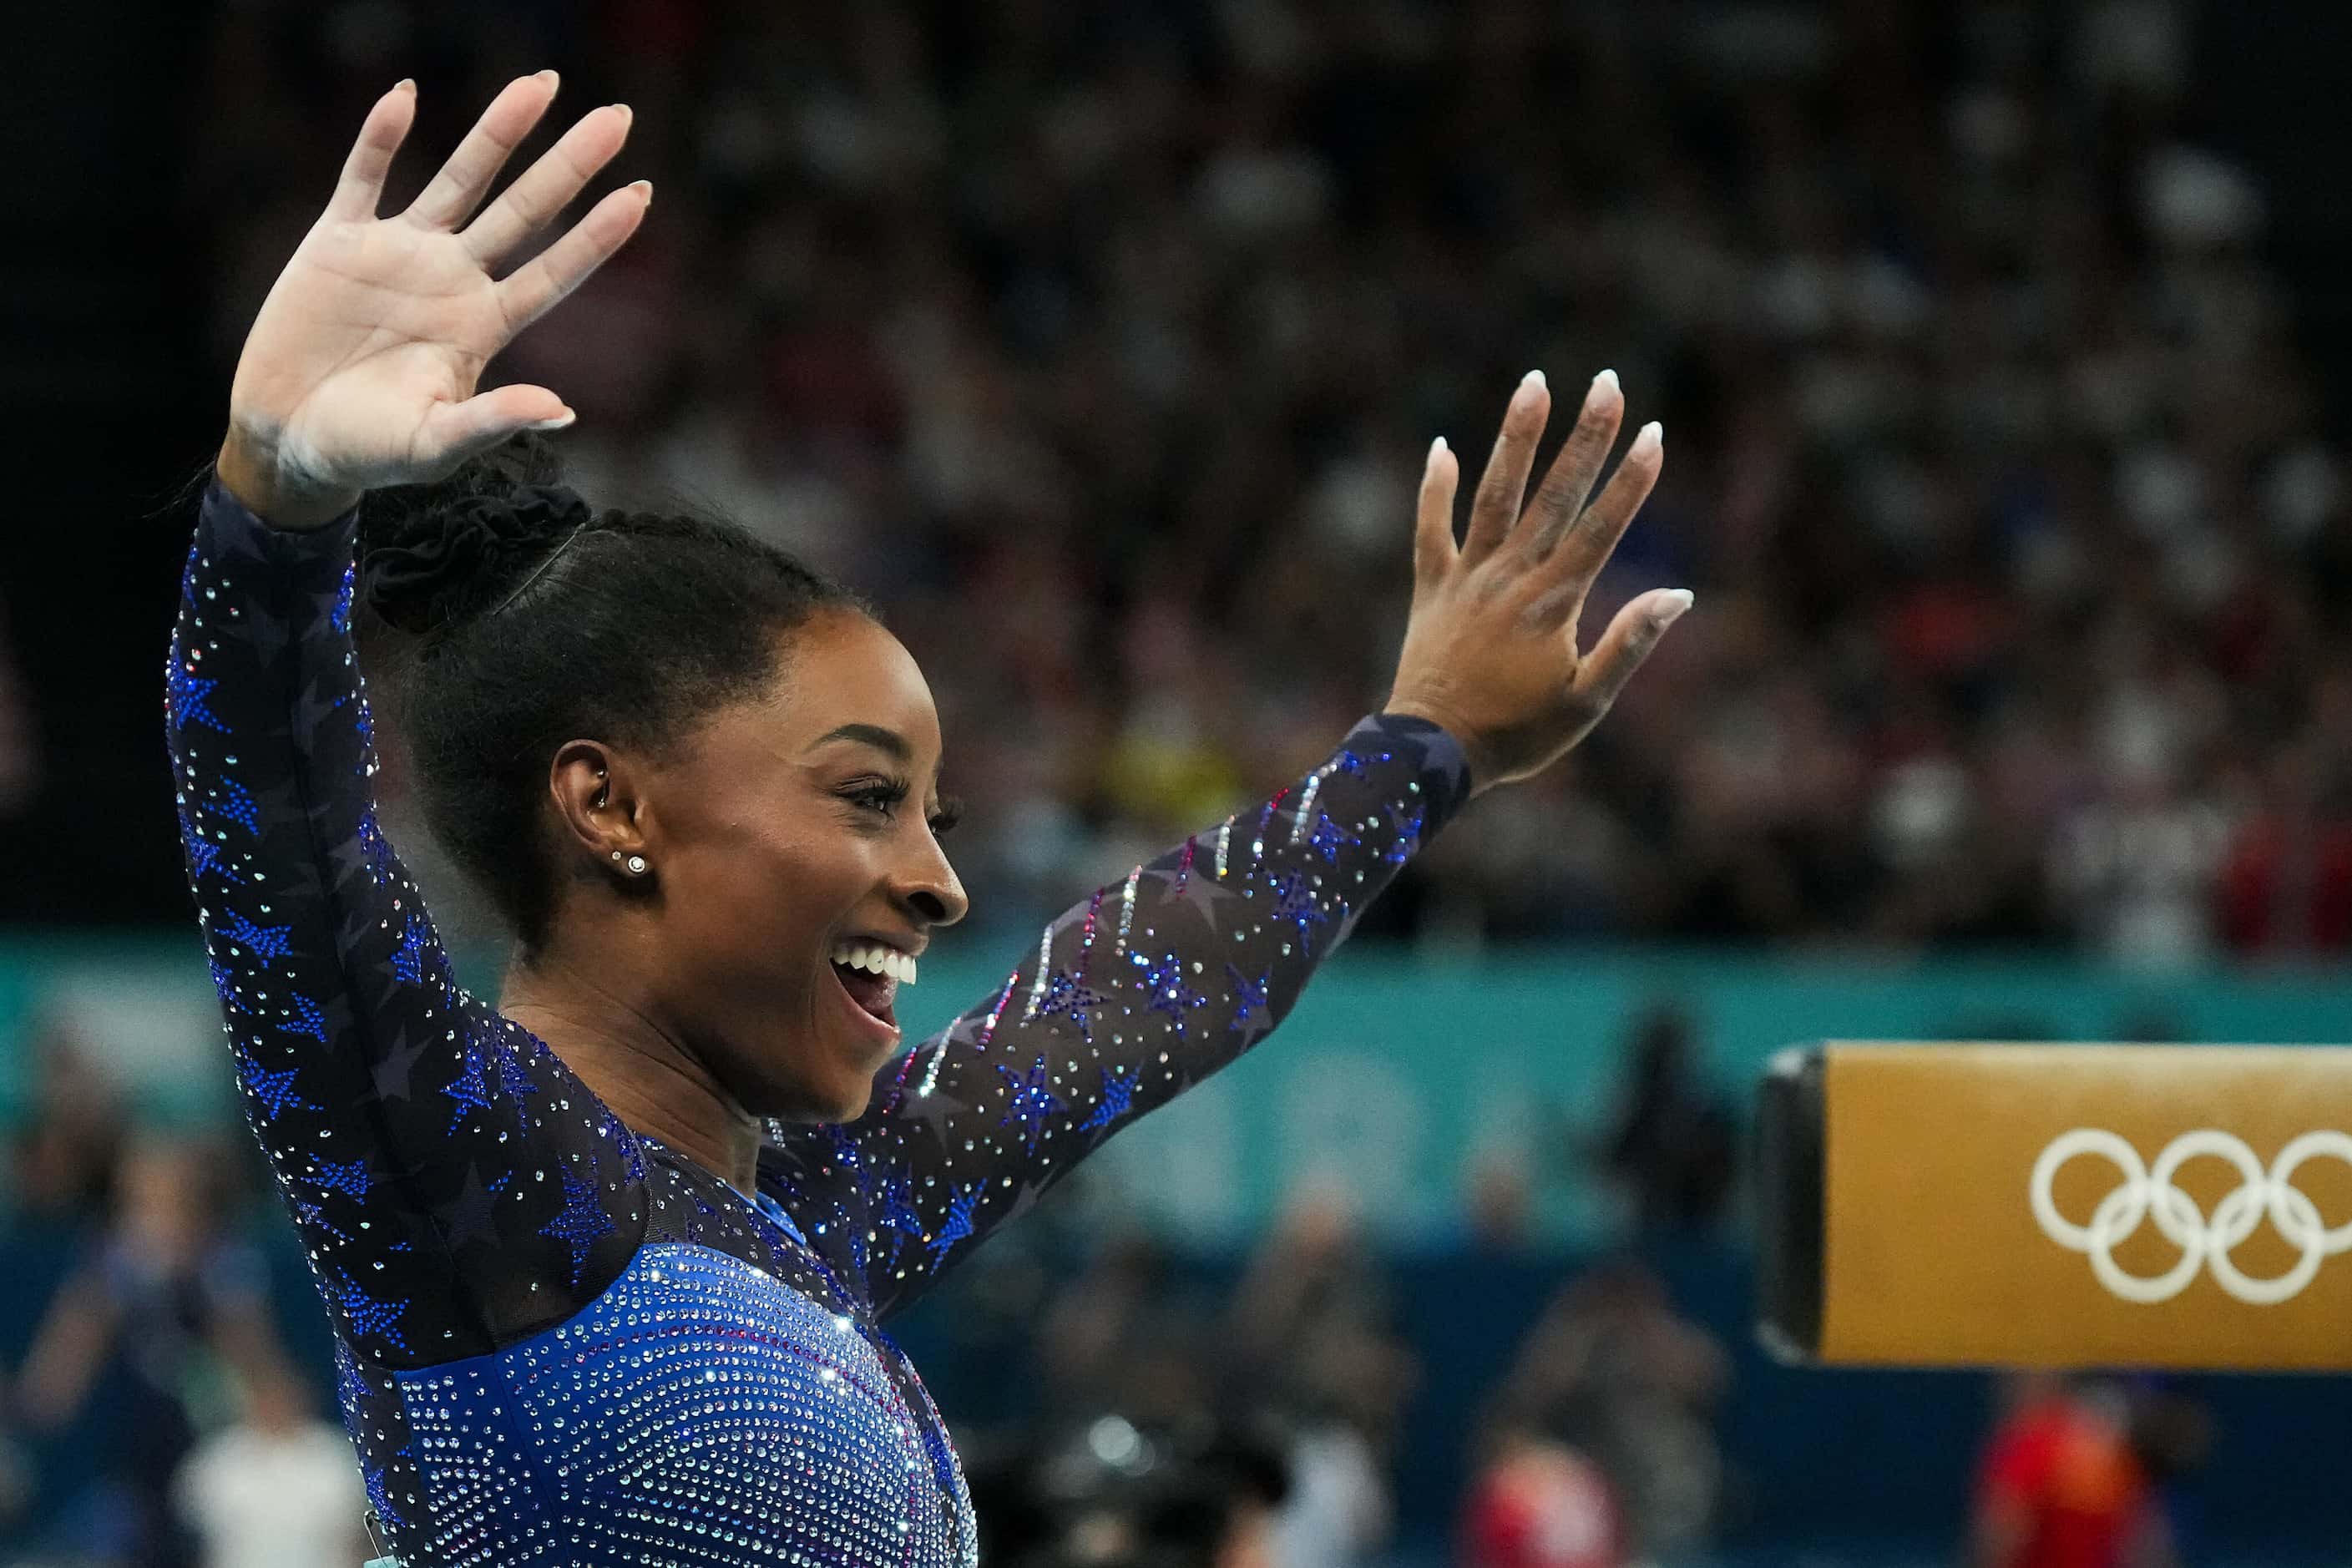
598,795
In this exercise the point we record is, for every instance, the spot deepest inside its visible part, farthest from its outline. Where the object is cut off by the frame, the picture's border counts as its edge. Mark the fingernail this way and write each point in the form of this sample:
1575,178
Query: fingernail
1671,610
1648,439
549,77
1534,378
626,112
405,84
1607,380
644,186
566,417
1436,448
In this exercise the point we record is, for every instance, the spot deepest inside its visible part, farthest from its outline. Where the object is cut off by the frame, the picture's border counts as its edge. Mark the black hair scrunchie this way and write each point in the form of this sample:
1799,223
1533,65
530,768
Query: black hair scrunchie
470,555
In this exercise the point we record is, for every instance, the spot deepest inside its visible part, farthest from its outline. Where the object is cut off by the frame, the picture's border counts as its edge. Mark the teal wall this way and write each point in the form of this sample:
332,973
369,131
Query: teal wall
1396,1073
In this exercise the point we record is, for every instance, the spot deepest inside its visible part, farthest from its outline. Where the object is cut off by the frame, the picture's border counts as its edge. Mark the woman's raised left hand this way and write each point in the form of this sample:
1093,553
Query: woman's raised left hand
1490,652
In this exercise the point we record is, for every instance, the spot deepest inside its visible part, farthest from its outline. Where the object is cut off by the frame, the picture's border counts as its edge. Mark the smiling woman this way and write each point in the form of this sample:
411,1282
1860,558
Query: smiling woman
606,1262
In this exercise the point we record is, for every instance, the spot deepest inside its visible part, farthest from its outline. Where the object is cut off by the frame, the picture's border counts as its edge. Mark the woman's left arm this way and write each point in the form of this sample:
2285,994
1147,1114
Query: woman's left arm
1151,983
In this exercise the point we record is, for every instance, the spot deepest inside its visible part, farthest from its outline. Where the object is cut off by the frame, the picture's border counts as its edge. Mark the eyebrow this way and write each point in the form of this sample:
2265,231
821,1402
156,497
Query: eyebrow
874,735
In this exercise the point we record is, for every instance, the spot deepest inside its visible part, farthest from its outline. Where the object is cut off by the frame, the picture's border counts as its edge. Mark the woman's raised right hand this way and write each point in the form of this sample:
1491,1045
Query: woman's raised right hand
360,369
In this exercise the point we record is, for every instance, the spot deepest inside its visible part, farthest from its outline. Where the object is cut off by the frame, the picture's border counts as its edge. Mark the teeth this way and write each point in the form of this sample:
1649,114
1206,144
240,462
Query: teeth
877,960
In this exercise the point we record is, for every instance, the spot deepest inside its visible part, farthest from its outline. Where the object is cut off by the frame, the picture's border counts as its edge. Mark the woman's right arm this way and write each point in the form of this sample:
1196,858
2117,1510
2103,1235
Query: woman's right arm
454,1185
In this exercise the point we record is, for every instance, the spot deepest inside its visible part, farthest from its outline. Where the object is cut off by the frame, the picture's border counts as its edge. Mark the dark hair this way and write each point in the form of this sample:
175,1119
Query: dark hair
535,620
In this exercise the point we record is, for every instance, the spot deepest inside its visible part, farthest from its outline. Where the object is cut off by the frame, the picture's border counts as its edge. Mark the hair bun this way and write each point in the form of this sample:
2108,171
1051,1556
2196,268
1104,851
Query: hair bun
467,553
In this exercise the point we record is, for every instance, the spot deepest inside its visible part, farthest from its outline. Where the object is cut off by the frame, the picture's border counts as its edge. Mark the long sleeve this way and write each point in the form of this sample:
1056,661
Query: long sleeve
1128,999
454,1187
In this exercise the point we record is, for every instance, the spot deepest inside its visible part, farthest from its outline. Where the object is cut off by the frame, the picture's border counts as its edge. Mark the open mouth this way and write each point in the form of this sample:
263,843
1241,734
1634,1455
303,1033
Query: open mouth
870,974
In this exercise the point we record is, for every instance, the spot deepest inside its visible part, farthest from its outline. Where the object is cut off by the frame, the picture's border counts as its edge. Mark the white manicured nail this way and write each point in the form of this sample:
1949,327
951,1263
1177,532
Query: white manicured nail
1534,378
1648,439
1677,601
558,422
1606,379
1436,448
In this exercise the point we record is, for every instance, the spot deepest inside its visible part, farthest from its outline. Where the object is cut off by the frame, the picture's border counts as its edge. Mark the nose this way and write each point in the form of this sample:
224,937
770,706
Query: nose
927,889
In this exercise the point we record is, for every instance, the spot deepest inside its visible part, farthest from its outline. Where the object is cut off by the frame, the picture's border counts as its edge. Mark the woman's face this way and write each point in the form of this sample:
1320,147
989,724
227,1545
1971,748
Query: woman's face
795,843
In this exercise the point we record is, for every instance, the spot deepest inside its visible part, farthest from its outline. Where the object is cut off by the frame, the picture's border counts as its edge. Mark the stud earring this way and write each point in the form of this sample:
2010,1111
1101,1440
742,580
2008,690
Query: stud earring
637,864
616,854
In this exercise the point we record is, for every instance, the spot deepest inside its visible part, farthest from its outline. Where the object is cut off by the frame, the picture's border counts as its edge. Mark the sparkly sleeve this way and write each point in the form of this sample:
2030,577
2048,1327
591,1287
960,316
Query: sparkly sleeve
454,1187
1128,999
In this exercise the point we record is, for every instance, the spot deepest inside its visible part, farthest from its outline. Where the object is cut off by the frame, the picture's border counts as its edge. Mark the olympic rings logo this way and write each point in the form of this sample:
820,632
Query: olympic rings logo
2148,1192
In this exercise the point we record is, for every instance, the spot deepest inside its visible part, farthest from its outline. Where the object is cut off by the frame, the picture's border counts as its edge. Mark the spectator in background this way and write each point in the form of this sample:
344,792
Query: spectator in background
1499,1204
2061,1485
1672,1145
65,1147
274,1489
1538,1503
2286,884
1309,1338
164,1311
2004,475
1613,1376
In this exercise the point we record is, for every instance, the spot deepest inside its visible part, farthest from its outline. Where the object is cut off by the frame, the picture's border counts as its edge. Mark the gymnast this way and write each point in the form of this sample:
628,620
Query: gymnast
606,1262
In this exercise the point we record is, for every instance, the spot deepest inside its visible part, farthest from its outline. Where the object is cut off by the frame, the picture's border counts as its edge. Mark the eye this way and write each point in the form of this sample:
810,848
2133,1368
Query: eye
881,796
948,812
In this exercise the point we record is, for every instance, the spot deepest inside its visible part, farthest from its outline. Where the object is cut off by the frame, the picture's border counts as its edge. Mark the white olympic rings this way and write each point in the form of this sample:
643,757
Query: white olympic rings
2148,1192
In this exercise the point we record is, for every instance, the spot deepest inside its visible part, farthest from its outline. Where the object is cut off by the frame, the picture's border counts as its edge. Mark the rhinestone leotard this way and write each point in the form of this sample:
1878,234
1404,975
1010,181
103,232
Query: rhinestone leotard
558,1342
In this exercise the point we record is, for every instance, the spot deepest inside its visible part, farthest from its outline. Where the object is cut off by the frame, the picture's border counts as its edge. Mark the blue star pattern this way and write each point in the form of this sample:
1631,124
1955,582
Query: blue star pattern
376,849
632,1154
474,1222
189,695
224,986
309,1019
897,1207
234,803
957,1225
350,1392
264,943
1296,902
310,1212
204,854
1065,997
1249,999
1329,838
1117,1097
1169,991
470,1089
1408,834
416,957
348,1177
370,1318
274,1091
514,1077
1031,1101
581,1223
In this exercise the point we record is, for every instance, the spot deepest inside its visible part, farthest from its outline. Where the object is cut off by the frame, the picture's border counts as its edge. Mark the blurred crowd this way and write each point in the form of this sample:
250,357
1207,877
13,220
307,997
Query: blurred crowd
151,1415
164,1387
1313,1400
1101,344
